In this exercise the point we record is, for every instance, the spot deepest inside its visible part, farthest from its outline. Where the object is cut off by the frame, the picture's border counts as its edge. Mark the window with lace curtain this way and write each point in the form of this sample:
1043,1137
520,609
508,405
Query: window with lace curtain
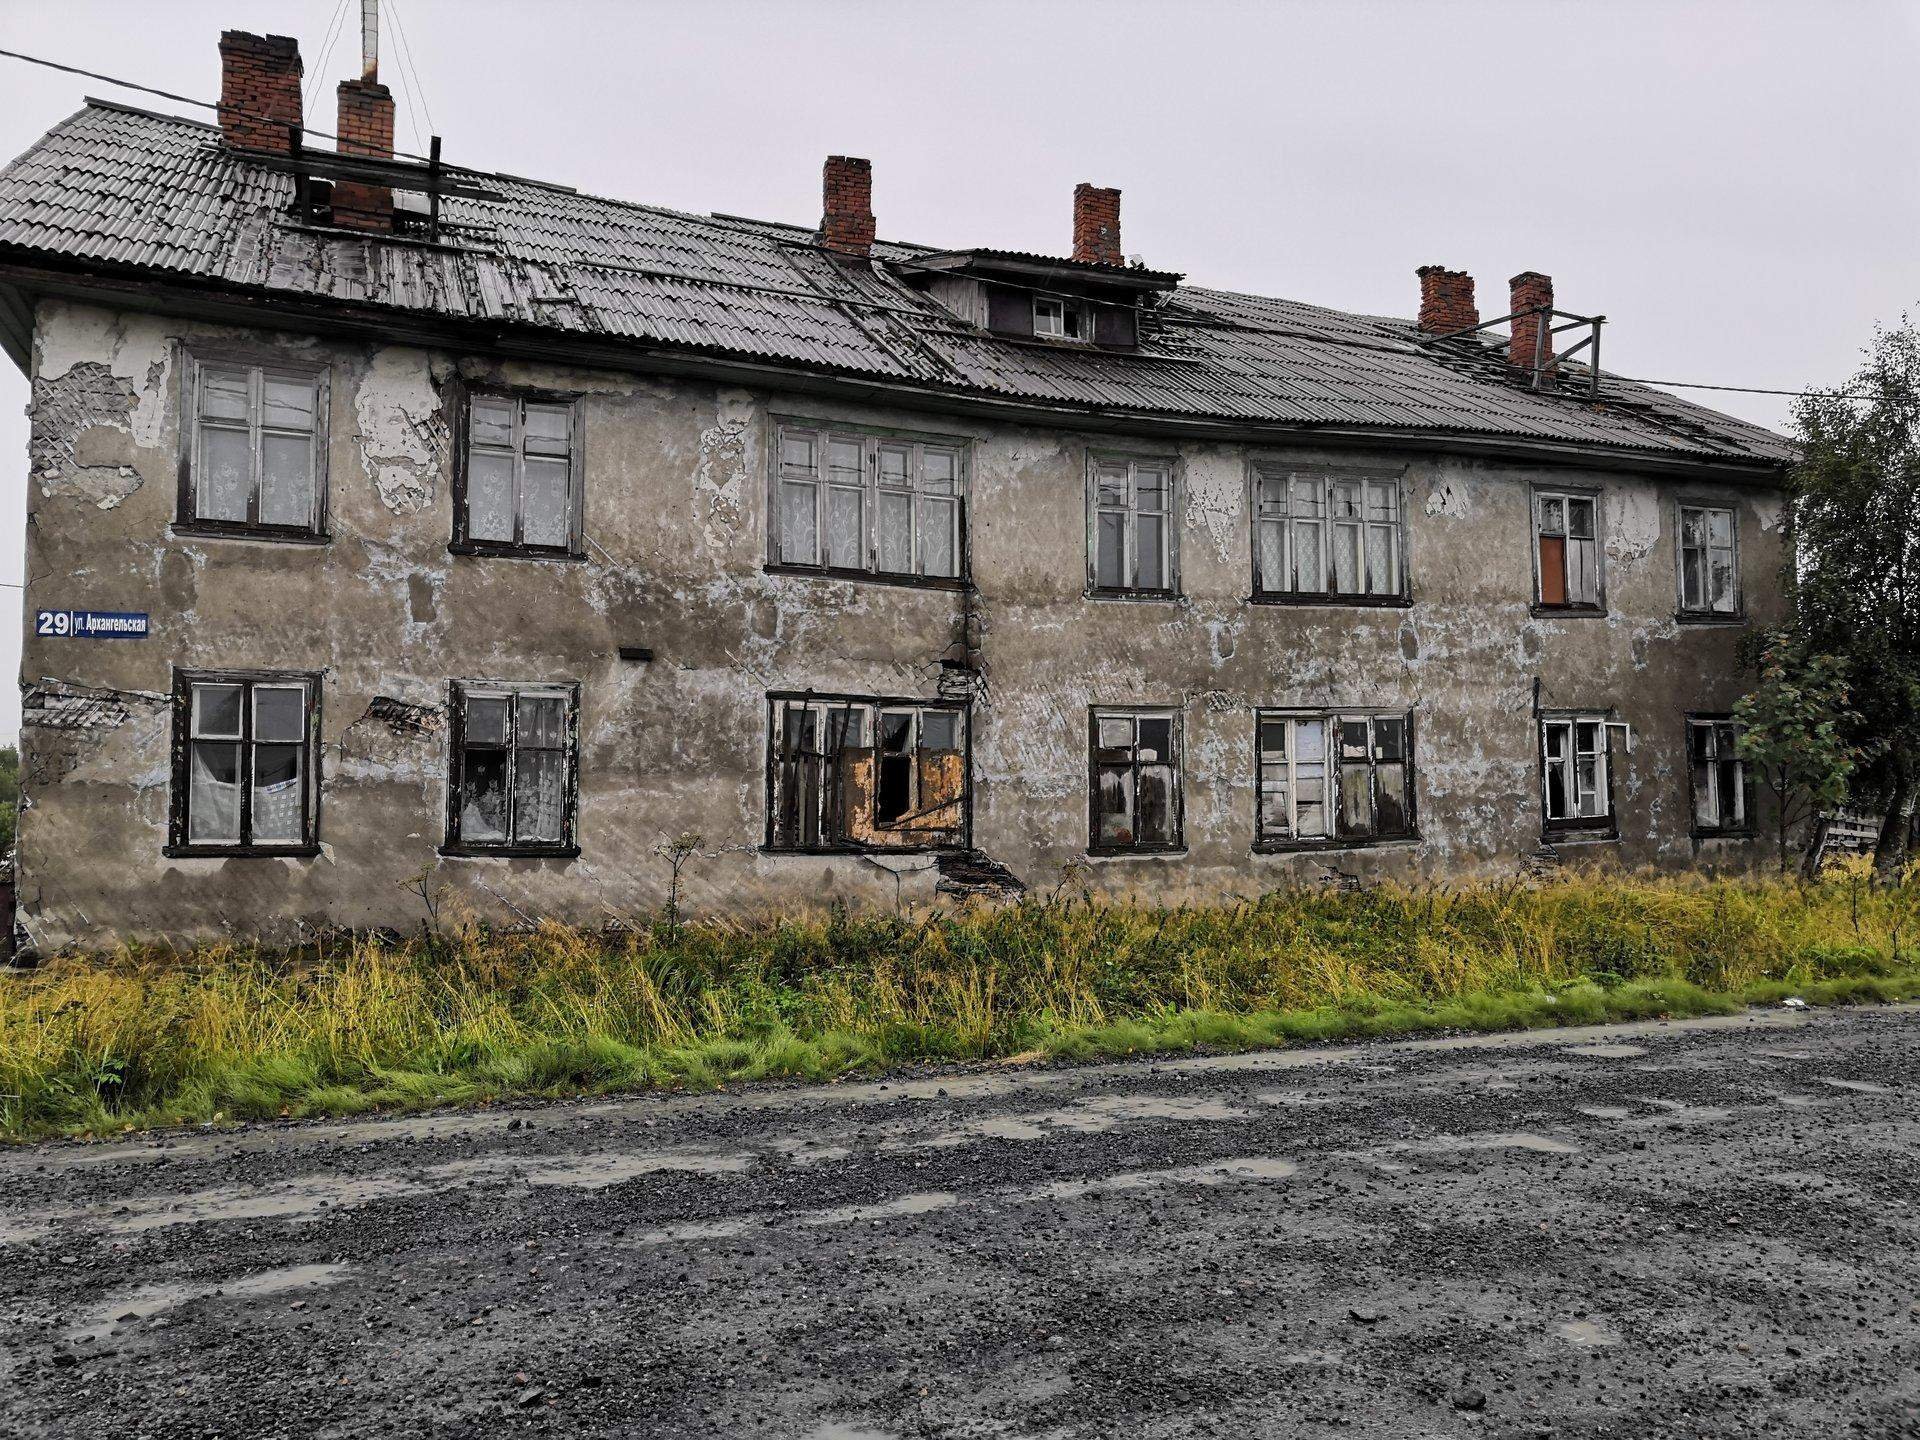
512,784
244,778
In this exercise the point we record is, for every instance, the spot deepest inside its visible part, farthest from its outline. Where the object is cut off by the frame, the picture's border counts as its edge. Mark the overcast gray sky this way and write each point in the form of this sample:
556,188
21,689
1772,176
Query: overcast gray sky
1735,185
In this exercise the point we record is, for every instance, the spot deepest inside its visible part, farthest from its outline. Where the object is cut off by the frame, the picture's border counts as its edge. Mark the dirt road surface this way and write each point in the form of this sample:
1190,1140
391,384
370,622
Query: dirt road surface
1691,1229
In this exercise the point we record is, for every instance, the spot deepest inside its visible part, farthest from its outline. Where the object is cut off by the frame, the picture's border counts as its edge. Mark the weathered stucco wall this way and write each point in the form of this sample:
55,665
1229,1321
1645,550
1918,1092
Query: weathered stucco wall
675,521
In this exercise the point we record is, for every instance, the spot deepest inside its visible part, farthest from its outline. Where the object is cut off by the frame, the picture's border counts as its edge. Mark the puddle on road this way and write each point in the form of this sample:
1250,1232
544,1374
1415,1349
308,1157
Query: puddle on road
1606,1112
1865,1087
1607,1052
841,1430
1588,1334
151,1300
920,1202
1514,1140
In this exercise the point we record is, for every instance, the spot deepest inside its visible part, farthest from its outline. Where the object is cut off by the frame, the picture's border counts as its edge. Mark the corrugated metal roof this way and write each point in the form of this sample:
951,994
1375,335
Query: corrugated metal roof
128,188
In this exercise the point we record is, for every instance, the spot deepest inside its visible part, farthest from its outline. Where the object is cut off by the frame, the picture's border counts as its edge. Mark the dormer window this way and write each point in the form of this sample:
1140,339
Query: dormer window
1057,320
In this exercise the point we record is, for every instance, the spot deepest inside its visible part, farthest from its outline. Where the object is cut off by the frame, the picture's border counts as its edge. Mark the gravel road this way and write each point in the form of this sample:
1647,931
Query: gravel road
1700,1228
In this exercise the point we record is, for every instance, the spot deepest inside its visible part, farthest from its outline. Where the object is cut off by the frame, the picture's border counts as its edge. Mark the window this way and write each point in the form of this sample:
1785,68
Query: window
1130,539
511,783
1059,320
1719,776
1333,779
862,504
254,449
243,770
1708,577
1567,549
1136,781
517,488
861,774
1327,535
1576,771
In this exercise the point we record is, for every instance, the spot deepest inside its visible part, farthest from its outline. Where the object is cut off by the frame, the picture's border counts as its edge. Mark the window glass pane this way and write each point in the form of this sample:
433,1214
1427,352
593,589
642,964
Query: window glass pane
1110,484
213,795
1693,579
276,793
896,532
1557,737
1553,515
896,463
1587,737
1155,738
1382,560
549,429
1580,519
1152,558
1706,809
1345,495
1354,742
1310,777
1383,500
1153,803
279,713
1048,317
1390,738
539,801
1356,800
545,518
490,422
486,720
1116,735
896,732
1587,778
288,404
938,553
483,801
846,728
1721,562
798,524
1309,497
846,462
1273,739
223,394
1115,806
1150,487
1275,824
1693,527
1306,554
216,711
1720,527
226,474
939,730
939,471
846,528
1346,559
1390,800
1273,560
541,721
1310,740
489,496
286,481
1733,793
1110,565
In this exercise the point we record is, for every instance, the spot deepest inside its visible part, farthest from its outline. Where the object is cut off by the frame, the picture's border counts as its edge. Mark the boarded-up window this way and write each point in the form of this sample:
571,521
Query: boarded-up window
1333,778
1136,797
511,772
1708,558
255,449
1568,560
856,503
850,774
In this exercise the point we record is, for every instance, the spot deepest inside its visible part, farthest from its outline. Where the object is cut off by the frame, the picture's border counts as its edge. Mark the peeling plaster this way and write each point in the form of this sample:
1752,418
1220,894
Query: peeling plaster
720,479
1633,524
1772,513
1214,489
82,436
1450,501
135,351
402,429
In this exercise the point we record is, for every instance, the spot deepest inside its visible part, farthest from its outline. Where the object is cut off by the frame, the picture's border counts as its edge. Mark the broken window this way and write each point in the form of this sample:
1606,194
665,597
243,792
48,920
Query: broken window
1055,319
1708,580
1130,539
255,448
855,774
1136,796
1566,531
244,762
517,487
1719,775
511,775
1333,535
1576,769
1333,778
866,504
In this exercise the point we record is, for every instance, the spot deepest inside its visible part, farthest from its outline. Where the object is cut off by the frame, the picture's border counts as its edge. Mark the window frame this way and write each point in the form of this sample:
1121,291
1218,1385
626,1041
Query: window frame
1606,824
1332,840
874,707
1540,491
1717,721
1260,468
1170,554
1177,737
194,361
1694,615
180,765
872,439
458,693
1073,315
520,396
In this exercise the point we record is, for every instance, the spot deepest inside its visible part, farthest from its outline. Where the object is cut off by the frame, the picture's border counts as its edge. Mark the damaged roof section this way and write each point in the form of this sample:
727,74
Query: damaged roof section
118,190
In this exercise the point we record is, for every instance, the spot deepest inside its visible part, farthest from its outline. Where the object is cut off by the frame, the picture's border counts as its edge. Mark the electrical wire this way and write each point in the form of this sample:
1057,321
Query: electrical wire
327,43
406,54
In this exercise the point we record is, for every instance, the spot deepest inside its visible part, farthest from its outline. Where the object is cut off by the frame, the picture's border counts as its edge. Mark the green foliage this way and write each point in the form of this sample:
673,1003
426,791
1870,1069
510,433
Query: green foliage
9,794
1794,729
162,1036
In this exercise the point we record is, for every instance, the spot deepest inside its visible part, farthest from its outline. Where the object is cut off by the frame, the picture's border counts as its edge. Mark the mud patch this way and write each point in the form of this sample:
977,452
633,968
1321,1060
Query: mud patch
151,1300
1607,1052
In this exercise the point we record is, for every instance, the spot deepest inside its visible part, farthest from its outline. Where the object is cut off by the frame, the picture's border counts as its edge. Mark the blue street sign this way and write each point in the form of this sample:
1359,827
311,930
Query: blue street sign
92,624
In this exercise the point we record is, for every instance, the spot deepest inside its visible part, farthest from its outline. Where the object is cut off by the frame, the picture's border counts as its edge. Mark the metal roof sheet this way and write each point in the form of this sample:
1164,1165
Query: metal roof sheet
124,187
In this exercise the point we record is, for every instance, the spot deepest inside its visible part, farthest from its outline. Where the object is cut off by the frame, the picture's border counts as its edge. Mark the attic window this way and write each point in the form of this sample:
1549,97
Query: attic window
1057,320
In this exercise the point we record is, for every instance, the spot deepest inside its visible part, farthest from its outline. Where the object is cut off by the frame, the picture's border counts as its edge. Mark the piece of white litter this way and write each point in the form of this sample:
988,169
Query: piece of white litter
1794,1002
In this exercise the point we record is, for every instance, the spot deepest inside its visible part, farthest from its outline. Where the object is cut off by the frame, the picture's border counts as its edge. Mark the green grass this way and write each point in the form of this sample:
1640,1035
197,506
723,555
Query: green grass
146,1036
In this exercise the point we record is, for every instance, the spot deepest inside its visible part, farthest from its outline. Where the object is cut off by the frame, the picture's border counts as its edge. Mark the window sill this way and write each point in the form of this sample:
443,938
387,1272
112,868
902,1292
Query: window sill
1603,833
491,551
1710,619
1356,602
1314,847
1163,596
258,534
1132,852
510,852
950,848
1567,612
240,852
1746,834
874,577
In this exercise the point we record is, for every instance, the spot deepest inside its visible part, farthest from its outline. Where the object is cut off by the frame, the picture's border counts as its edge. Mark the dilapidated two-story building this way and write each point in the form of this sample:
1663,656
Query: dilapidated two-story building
391,522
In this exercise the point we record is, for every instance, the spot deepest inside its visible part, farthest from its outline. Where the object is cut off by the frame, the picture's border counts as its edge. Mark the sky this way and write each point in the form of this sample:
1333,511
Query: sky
1736,186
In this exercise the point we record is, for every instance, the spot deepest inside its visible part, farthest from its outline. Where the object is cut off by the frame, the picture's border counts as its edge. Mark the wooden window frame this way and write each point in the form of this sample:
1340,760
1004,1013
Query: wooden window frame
1717,722
1331,781
1266,592
194,361
519,397
1694,615
1170,554
1178,764
1564,493
872,440
181,765
458,693
1606,824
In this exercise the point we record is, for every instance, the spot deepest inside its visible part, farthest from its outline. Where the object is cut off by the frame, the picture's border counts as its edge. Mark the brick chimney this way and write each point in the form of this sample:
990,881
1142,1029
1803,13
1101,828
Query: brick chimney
1446,300
1096,225
259,90
366,128
846,220
1531,291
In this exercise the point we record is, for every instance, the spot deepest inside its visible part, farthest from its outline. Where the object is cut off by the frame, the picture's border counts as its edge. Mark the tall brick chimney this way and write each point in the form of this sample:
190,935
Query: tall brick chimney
259,90
846,220
1531,291
1096,225
366,128
1446,300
